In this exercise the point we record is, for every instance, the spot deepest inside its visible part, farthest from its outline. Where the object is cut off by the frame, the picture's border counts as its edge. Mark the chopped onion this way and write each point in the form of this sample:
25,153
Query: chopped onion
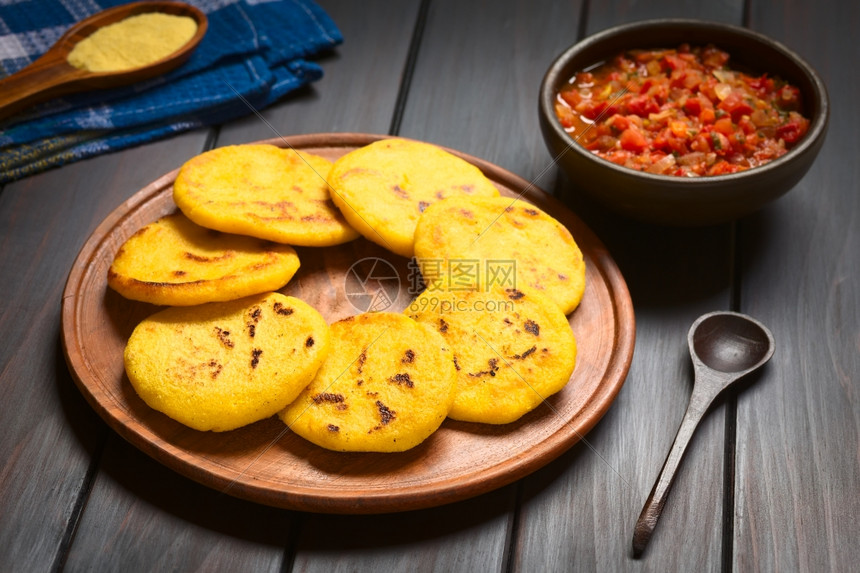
761,119
665,114
691,158
724,76
722,90
663,165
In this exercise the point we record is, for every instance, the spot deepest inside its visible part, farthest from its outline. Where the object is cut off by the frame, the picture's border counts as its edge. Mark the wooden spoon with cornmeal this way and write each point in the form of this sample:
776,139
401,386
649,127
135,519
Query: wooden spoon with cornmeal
115,47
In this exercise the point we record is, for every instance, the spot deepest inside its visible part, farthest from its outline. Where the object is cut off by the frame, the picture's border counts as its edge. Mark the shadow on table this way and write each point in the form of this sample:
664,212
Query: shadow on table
663,266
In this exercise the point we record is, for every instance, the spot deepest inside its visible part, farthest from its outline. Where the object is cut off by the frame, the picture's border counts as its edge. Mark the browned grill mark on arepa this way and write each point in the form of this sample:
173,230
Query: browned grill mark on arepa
532,327
327,397
514,294
402,378
204,259
282,310
255,357
400,192
494,367
385,414
224,337
254,318
525,354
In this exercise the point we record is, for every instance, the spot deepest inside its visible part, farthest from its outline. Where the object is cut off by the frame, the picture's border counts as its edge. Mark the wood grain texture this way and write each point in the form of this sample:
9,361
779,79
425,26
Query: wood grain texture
50,436
471,535
615,12
361,80
798,431
145,517
477,77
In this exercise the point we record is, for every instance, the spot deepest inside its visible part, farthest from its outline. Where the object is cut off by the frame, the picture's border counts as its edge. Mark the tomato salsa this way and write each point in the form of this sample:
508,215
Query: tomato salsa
681,112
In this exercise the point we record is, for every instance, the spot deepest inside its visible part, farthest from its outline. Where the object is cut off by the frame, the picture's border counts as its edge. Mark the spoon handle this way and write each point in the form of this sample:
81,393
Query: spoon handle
657,499
47,77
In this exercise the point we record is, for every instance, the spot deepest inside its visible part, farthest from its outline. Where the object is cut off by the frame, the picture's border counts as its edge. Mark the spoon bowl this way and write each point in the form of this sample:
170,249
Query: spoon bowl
52,75
725,347
729,342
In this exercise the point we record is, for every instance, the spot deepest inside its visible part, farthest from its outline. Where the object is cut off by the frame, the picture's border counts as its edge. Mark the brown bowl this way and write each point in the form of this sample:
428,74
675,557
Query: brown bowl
684,201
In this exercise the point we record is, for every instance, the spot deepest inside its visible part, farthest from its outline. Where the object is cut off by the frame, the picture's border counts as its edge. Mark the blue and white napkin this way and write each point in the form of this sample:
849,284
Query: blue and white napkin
254,52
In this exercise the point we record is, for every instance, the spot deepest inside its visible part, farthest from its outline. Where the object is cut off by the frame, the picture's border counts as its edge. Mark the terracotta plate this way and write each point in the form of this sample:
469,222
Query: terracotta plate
268,464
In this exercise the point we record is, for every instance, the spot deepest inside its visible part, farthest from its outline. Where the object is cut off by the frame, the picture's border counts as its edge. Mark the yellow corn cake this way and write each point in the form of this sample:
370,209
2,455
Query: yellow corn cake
178,263
220,366
490,232
511,348
385,387
262,191
382,188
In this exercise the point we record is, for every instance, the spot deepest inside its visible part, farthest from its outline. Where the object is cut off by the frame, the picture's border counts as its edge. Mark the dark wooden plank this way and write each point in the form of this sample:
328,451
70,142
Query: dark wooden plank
581,509
142,516
603,15
359,88
50,433
477,78
798,473
467,536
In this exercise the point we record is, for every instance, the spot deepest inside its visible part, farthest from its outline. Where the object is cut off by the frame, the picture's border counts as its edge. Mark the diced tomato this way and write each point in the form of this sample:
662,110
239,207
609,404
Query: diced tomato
723,167
693,106
590,108
677,79
618,123
673,62
720,143
642,106
571,97
735,105
724,126
761,84
565,115
714,58
746,125
679,129
706,88
788,98
738,142
791,132
692,79
633,140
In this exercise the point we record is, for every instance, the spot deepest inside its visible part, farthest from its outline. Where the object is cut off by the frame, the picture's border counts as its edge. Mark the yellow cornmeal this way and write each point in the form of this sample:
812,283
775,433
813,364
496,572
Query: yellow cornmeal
133,42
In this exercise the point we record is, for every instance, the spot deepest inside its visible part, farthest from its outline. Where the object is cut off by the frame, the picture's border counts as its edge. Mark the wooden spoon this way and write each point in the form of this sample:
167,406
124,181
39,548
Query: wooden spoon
52,75
725,347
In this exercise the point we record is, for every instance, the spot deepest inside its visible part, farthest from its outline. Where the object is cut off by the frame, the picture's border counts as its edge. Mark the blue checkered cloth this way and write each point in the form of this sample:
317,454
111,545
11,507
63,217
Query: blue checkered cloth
254,52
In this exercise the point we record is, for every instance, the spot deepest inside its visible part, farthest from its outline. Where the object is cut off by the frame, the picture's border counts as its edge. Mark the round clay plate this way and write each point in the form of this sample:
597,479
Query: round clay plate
265,462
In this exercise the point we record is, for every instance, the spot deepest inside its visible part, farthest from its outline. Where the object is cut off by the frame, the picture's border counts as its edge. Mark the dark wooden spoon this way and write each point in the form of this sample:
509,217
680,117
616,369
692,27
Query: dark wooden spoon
52,75
725,347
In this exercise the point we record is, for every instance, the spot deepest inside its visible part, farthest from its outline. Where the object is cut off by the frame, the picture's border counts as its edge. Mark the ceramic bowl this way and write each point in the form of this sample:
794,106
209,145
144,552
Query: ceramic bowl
684,201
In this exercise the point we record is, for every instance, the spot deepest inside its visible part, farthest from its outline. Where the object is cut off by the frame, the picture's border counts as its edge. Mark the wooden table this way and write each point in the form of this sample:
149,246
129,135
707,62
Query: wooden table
772,480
